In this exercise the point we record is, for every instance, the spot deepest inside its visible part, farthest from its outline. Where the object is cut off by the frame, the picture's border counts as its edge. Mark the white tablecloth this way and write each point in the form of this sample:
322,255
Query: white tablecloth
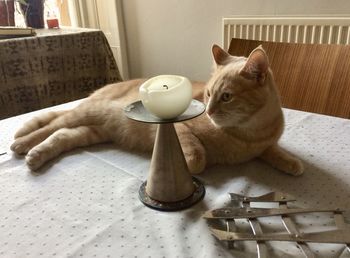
85,203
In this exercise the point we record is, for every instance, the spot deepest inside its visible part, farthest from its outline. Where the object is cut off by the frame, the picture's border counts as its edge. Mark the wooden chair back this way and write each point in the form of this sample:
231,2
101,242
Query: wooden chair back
309,77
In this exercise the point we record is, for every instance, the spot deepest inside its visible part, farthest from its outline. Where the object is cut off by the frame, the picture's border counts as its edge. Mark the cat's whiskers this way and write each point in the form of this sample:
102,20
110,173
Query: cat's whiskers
221,119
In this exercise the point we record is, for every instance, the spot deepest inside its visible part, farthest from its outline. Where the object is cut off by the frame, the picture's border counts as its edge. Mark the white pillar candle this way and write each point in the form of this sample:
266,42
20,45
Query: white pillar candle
166,96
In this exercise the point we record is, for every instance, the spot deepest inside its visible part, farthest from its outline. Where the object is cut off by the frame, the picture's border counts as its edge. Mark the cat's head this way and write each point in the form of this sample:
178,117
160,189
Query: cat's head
239,88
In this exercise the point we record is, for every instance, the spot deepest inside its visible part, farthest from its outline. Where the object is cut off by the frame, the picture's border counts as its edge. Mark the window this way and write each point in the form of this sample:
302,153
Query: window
58,8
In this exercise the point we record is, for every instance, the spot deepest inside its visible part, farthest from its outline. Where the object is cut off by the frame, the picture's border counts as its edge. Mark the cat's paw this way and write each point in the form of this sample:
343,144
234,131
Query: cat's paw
196,163
35,158
295,167
24,144
20,146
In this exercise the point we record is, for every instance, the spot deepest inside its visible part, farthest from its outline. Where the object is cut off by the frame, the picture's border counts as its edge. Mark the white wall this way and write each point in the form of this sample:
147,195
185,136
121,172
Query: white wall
175,36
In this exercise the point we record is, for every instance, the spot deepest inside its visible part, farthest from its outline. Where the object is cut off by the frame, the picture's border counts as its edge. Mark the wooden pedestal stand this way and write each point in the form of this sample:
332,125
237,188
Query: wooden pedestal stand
169,186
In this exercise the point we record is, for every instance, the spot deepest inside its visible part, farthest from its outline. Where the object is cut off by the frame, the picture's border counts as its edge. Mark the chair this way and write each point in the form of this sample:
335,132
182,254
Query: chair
309,77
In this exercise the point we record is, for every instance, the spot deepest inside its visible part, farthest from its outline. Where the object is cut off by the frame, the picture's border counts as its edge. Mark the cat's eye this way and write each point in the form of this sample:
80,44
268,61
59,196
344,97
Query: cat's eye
226,96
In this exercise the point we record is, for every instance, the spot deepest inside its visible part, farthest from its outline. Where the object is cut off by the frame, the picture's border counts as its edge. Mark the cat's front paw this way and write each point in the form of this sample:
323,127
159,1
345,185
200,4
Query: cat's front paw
19,146
34,159
196,163
295,167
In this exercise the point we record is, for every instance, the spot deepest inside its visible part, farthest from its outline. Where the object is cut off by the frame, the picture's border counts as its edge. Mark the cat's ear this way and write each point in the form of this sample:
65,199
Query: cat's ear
221,57
257,65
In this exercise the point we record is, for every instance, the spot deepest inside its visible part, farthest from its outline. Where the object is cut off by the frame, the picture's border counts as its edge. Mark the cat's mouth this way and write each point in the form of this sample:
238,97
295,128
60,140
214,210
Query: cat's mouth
216,119
221,120
212,120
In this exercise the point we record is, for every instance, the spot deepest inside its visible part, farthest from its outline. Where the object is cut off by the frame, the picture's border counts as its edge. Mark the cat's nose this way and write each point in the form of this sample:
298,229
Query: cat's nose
210,109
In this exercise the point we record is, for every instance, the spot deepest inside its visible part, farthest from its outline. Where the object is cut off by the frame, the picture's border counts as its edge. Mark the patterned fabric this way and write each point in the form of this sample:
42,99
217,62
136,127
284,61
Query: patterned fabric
54,67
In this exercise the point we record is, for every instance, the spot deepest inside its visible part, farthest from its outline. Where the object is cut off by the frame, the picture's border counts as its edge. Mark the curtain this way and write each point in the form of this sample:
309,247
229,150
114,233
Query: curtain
84,13
105,15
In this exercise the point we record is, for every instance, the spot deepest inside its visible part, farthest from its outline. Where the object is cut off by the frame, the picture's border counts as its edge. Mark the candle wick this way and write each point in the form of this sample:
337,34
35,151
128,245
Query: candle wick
165,86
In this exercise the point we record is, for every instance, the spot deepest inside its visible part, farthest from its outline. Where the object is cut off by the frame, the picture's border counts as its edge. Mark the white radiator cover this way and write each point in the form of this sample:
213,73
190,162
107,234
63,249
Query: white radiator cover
323,30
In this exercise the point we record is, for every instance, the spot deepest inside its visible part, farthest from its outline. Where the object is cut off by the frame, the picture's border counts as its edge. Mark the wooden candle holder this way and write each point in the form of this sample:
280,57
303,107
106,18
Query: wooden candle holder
169,185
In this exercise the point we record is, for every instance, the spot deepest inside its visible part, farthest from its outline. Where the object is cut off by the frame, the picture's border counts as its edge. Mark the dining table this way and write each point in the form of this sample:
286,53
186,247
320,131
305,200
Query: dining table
53,66
85,202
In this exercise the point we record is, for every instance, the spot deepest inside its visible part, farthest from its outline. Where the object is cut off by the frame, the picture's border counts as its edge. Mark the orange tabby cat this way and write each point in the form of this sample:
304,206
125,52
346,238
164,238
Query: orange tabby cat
243,120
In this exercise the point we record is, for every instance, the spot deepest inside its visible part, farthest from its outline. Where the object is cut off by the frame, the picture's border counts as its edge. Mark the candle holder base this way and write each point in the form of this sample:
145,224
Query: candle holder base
196,196
169,186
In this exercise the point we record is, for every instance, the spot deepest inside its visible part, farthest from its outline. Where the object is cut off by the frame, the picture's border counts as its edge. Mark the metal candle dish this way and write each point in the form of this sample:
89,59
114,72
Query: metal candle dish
169,186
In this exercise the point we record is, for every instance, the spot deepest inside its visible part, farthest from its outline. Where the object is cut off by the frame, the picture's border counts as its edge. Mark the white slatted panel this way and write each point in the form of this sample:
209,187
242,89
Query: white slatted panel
323,30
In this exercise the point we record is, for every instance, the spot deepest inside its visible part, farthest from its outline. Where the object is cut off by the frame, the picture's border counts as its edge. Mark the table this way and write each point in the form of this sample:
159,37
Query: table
85,203
56,66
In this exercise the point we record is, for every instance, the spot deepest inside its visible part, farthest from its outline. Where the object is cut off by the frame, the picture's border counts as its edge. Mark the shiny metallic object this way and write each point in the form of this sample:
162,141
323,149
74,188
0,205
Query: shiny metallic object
269,197
229,214
169,185
338,236
249,213
290,226
261,247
